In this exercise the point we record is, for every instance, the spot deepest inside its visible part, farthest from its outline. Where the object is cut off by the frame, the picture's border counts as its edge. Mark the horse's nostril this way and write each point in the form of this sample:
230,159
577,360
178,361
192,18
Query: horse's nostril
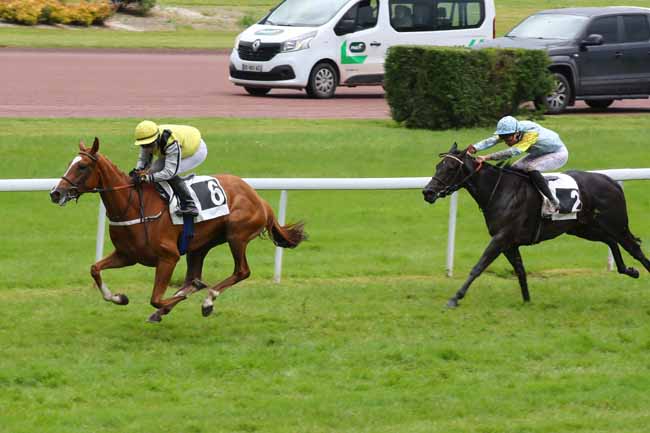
55,196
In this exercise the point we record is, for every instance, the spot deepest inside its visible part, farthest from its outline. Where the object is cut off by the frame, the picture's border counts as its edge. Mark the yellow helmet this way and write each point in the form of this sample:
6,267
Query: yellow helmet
146,133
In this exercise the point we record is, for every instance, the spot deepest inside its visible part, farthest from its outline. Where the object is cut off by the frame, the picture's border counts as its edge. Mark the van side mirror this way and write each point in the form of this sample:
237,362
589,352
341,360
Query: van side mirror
345,26
592,40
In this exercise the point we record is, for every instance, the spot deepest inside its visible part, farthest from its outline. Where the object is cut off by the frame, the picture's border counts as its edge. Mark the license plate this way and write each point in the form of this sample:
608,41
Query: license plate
251,68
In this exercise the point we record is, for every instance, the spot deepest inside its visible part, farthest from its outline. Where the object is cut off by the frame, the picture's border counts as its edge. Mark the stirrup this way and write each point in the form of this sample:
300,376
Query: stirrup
191,211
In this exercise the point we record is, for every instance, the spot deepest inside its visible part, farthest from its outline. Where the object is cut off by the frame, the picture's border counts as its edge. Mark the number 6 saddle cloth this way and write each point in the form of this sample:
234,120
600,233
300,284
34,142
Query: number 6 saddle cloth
209,196
566,190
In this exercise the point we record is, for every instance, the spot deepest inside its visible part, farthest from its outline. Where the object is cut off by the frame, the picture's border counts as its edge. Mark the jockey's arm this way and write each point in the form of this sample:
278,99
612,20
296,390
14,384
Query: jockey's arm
526,142
145,158
172,163
487,143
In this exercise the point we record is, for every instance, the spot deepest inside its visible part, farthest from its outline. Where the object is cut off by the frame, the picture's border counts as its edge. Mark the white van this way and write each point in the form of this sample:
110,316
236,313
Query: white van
318,45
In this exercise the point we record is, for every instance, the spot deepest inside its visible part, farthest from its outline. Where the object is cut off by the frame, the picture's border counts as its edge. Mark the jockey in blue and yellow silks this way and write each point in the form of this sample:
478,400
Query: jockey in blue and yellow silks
545,150
179,148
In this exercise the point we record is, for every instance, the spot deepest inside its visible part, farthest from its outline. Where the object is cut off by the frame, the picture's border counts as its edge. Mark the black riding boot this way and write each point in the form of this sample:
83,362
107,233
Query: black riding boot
541,184
187,205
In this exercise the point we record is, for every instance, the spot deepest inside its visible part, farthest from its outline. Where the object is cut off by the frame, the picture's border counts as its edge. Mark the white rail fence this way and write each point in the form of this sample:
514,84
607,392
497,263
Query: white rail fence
286,184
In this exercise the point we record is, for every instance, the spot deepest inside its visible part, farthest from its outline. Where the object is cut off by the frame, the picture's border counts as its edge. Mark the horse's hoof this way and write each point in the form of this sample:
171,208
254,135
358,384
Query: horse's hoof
198,284
632,272
206,311
123,299
155,318
453,303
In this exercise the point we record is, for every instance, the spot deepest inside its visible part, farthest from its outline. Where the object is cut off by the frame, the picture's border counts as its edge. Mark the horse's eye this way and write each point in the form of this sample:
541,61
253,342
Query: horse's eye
82,167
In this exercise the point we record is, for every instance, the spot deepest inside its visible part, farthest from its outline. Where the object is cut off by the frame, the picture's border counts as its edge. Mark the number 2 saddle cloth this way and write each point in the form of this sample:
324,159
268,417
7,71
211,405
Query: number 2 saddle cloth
566,190
209,196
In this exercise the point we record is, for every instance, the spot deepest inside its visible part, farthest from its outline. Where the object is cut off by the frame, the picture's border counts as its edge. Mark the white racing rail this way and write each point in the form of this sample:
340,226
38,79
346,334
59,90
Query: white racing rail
286,184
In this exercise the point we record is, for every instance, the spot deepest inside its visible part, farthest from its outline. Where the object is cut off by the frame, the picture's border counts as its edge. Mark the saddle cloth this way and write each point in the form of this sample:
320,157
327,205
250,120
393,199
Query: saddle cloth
209,196
566,190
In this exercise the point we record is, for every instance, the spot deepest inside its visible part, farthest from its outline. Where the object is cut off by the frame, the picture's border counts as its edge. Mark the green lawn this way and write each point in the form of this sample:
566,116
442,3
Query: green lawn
509,13
356,338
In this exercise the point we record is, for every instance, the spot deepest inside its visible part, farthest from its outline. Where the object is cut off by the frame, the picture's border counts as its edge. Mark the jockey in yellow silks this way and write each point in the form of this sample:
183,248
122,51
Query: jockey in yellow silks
178,148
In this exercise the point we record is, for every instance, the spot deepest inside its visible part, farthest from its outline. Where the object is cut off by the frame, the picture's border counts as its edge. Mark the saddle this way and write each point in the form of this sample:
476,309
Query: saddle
567,192
209,196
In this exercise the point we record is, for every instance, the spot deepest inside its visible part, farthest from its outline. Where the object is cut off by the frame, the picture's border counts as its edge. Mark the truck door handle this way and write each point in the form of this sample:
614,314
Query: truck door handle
375,44
619,54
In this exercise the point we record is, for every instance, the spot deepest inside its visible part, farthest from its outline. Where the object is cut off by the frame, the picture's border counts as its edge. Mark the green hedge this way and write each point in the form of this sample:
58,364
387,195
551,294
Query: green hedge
443,87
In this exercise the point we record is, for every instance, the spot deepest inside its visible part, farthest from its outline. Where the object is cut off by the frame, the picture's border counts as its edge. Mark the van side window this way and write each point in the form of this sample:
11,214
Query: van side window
432,15
607,27
637,28
361,16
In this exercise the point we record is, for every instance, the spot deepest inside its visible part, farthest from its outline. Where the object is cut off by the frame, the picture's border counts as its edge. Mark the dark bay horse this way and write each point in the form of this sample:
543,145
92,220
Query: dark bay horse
511,206
155,242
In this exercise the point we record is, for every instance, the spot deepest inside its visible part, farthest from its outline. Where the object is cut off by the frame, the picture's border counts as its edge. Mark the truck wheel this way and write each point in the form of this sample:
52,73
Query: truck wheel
599,104
322,81
559,99
257,91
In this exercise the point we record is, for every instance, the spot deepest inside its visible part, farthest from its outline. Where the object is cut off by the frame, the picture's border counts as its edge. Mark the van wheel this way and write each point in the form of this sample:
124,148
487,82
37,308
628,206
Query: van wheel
322,81
599,104
558,100
257,91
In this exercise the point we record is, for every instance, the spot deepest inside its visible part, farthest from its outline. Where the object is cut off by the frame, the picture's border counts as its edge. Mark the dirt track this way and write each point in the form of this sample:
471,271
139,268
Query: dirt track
119,83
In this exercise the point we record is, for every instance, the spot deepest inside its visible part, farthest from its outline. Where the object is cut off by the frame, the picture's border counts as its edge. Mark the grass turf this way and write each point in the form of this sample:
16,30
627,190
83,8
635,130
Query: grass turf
356,338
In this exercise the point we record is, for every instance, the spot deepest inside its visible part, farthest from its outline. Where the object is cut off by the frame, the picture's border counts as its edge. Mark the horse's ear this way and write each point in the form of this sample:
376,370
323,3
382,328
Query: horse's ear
95,147
454,148
82,146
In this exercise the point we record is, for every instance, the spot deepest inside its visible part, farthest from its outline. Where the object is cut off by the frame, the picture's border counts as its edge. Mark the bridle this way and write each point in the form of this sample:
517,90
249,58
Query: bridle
137,186
448,189
76,191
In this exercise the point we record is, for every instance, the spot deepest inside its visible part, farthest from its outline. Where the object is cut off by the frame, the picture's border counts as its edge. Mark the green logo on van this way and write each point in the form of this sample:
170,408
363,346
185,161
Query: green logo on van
475,42
350,60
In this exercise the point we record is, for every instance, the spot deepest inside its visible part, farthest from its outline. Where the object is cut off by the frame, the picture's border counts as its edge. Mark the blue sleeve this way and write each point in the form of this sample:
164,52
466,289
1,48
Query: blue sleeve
487,143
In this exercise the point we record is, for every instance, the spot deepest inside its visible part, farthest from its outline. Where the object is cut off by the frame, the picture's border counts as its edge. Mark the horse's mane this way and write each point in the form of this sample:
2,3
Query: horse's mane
506,167
111,164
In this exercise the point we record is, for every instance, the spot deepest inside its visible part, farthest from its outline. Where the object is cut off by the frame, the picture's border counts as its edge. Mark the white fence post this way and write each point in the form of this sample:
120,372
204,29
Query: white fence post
101,222
282,216
451,233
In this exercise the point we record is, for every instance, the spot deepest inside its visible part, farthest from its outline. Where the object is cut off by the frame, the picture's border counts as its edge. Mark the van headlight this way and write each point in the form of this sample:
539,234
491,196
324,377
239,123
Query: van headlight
237,41
300,43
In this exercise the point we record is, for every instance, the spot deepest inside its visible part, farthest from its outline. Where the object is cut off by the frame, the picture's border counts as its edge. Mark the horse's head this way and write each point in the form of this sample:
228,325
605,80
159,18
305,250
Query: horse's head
81,175
453,170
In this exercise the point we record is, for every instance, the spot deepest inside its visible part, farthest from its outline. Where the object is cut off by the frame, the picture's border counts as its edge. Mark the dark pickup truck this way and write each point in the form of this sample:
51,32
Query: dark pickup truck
598,54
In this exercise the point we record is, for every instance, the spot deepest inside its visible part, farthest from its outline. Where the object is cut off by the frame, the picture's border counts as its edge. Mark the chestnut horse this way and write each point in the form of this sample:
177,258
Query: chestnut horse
142,231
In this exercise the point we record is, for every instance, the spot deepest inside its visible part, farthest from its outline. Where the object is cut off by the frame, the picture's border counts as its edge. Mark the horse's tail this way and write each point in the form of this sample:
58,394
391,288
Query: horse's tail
288,236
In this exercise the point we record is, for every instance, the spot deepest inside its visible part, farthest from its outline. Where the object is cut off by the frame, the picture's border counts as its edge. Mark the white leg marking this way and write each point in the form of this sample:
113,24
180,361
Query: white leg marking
106,293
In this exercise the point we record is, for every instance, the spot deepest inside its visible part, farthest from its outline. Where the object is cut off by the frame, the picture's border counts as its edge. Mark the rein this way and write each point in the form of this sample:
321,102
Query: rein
78,191
93,190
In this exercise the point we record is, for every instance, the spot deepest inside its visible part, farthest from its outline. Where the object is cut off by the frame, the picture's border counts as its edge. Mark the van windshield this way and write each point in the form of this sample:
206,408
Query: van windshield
549,26
304,13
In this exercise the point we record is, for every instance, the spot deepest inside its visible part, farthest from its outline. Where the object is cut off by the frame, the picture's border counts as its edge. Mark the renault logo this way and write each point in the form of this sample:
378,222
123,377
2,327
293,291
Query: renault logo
256,45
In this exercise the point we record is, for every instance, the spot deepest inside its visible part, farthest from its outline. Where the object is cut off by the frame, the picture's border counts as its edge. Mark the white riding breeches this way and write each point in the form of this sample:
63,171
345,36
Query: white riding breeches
186,164
546,162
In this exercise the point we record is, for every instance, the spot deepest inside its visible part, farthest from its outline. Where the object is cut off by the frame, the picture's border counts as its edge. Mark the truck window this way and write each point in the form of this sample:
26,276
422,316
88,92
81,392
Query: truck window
637,28
432,15
607,27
